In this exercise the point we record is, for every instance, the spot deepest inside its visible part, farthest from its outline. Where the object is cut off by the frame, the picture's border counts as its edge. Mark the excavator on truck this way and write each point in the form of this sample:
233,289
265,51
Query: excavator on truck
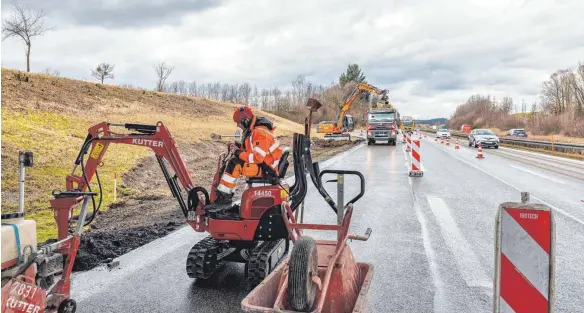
339,129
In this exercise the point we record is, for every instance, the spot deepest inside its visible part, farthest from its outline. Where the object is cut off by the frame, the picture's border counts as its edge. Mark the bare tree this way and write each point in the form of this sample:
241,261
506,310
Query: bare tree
162,72
577,81
24,23
52,72
507,105
193,89
103,71
244,93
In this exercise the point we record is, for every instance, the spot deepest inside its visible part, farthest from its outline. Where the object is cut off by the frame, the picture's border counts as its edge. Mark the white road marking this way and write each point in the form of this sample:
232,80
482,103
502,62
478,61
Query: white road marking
441,304
537,174
473,273
518,189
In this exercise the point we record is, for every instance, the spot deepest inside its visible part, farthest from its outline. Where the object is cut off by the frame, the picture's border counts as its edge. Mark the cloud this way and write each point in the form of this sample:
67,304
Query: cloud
431,55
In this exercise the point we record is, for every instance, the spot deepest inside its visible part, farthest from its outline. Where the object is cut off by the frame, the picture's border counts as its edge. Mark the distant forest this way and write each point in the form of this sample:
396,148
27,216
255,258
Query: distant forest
433,121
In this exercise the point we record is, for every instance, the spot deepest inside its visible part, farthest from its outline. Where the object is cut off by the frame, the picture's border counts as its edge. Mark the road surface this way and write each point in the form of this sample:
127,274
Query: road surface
432,241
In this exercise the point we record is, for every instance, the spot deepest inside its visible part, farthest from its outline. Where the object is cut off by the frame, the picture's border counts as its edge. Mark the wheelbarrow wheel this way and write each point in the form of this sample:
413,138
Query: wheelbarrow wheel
67,306
303,265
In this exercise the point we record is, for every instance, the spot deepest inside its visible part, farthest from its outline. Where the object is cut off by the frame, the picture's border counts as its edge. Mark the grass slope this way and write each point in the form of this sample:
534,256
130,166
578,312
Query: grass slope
50,117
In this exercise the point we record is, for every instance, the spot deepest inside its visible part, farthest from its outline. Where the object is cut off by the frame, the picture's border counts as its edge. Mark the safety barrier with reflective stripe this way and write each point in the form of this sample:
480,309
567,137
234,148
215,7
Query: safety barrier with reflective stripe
524,258
409,142
415,160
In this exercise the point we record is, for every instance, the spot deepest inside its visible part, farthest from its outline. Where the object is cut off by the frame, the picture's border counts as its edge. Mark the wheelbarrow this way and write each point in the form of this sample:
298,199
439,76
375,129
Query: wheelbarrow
320,276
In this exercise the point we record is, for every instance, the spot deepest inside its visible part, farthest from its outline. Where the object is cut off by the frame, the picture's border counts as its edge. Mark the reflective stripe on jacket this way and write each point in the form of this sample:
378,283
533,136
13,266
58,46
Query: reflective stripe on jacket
262,146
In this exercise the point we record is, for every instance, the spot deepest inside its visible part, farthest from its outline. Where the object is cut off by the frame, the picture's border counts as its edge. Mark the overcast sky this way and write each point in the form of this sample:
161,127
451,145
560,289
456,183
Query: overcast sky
430,54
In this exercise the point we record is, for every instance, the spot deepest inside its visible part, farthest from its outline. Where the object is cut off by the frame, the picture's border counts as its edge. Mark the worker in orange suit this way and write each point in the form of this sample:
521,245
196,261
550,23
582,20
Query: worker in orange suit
258,153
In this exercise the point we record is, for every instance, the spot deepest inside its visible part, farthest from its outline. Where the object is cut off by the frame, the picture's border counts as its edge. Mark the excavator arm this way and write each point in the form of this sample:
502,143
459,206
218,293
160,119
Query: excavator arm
156,137
361,87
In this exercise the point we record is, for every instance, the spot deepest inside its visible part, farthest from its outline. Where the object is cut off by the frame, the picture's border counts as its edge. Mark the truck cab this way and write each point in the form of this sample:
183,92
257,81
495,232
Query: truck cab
382,125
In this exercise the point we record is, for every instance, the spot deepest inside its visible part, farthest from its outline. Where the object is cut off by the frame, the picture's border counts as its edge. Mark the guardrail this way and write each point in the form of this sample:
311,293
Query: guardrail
547,145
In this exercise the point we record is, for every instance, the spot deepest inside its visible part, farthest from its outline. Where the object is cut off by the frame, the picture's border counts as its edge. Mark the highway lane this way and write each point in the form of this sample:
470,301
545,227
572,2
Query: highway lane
432,241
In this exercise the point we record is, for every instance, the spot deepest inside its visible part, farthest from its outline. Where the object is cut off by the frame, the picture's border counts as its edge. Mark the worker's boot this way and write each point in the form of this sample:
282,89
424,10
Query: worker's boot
223,198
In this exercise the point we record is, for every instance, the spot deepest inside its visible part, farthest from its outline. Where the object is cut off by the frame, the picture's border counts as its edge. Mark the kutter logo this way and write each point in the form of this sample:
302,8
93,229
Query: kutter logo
148,142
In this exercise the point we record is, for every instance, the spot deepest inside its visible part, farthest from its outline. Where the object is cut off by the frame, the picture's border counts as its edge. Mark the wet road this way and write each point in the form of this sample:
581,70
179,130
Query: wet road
432,241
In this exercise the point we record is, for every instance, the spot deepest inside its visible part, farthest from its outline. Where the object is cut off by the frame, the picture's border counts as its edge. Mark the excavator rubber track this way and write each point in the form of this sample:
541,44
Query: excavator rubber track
203,259
265,258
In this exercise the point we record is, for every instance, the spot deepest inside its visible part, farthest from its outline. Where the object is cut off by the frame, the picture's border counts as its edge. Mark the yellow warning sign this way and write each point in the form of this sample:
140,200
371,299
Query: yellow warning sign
96,150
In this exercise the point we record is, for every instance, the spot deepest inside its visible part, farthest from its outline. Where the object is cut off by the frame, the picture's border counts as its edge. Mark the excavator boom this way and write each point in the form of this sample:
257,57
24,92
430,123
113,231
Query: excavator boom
156,137
336,128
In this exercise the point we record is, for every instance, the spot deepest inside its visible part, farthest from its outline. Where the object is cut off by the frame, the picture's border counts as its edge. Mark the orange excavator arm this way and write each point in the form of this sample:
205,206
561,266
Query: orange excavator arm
156,137
361,87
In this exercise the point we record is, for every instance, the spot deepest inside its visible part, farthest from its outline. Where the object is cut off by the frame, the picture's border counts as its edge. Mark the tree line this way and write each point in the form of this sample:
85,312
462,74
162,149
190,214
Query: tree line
560,109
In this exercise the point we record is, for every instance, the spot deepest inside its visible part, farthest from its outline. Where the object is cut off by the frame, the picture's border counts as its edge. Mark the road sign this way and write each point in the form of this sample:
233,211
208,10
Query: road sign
406,118
524,258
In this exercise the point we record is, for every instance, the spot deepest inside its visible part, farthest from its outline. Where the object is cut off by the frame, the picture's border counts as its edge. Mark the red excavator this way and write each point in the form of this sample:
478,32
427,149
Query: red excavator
252,232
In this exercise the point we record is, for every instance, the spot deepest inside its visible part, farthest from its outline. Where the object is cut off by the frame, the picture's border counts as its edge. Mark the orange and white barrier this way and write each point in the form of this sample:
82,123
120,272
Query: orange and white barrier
480,153
457,146
415,160
524,260
409,143
447,142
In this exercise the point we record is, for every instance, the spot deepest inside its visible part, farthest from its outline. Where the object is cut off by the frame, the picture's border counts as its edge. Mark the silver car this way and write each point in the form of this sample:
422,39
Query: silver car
484,137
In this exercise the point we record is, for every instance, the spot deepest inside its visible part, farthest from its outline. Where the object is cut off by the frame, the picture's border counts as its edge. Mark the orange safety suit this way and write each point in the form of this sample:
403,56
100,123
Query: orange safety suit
260,149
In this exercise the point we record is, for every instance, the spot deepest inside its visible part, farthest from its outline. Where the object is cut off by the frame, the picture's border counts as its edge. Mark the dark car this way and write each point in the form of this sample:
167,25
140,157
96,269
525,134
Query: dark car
484,137
519,133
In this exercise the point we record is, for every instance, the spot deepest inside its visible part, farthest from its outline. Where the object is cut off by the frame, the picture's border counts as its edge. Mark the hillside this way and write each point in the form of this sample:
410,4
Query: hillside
50,116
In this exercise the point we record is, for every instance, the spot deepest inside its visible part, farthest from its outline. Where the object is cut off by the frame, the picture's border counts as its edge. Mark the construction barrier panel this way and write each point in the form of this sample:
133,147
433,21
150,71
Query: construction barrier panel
524,258
409,143
415,160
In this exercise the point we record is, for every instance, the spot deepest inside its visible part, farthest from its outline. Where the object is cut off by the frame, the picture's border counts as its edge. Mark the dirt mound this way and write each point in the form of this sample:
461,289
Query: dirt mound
99,247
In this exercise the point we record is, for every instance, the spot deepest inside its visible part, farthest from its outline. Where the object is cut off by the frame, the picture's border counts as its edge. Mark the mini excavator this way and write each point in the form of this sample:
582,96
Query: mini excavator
251,232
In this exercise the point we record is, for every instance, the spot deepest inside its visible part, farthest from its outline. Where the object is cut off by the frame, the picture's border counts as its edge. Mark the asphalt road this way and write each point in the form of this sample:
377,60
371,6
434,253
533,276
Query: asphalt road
432,241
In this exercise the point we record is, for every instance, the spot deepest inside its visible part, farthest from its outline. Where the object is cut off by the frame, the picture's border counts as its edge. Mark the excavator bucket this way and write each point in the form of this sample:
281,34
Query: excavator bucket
313,104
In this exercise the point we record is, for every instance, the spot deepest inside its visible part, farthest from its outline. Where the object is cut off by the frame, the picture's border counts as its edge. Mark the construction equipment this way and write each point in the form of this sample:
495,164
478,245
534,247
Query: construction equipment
408,124
38,280
252,232
381,123
320,275
339,129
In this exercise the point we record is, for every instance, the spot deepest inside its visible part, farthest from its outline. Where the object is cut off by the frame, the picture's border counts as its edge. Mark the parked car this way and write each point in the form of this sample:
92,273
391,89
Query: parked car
517,133
443,133
484,137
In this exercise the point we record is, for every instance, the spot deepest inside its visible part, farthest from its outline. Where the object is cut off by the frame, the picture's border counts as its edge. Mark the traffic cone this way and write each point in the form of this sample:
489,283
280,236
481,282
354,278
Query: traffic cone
442,141
436,139
456,147
480,155
447,142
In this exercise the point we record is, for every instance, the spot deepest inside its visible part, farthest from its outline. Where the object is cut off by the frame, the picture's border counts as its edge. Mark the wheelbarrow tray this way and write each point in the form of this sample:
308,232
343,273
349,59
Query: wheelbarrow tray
262,298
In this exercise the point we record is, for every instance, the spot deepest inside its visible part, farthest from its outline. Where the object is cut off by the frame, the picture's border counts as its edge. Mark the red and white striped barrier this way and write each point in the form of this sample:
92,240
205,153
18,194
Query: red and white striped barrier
415,160
524,260
409,143
480,153
457,146
447,142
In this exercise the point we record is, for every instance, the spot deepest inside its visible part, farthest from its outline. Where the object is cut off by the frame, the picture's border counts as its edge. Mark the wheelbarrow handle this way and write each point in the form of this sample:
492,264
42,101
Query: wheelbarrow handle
362,238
